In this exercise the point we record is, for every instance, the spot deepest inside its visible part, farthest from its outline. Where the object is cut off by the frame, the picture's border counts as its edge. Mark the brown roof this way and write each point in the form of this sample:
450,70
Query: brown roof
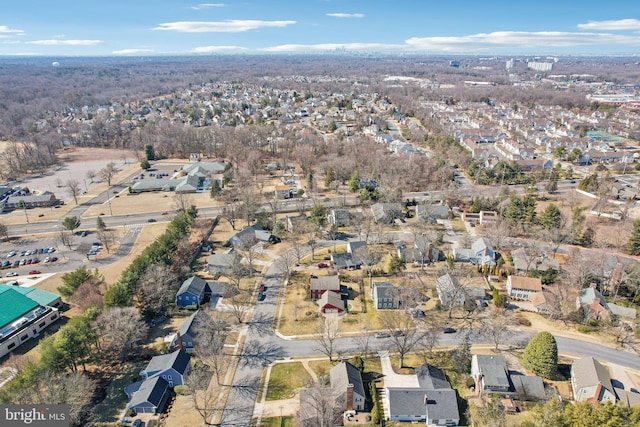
526,283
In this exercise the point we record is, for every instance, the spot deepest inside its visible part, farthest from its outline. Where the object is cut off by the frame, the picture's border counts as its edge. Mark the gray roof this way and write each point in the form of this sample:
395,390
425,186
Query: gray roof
385,290
212,167
431,378
331,298
343,374
481,244
494,370
194,285
588,372
178,360
442,404
154,184
151,391
622,311
529,387
221,261
446,283
185,327
344,260
352,247
45,196
328,283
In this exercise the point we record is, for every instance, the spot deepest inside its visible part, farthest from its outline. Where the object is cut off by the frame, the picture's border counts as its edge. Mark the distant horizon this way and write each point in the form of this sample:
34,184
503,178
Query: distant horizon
249,27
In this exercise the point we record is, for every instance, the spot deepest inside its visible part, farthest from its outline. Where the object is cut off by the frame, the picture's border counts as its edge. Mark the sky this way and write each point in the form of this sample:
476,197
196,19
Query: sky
441,27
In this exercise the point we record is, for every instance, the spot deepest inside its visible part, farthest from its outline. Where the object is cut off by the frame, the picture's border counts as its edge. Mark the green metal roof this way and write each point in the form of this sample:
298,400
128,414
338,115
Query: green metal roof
38,295
13,305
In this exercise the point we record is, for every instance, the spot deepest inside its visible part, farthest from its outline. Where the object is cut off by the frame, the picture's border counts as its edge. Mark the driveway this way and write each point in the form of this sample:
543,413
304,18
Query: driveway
391,379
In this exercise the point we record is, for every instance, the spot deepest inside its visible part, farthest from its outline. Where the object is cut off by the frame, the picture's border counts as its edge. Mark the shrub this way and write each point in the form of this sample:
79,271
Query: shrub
180,390
523,321
541,355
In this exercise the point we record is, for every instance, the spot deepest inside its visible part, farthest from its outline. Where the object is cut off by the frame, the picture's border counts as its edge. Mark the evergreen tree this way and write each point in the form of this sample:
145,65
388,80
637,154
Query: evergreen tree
354,181
215,189
551,217
634,240
461,356
541,355
144,164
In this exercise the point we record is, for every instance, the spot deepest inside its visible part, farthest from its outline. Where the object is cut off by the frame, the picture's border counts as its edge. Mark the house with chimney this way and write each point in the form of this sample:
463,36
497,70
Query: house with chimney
347,386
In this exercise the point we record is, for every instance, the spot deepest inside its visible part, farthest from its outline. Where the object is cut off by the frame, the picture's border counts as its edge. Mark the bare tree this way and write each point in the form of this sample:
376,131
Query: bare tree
182,202
4,232
74,190
285,263
91,174
212,332
498,327
120,331
108,238
319,407
157,288
363,342
206,400
240,305
327,335
108,172
498,233
404,336
64,238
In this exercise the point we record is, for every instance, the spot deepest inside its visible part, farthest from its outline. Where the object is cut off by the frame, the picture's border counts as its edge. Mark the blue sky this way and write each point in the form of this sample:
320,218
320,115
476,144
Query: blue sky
450,27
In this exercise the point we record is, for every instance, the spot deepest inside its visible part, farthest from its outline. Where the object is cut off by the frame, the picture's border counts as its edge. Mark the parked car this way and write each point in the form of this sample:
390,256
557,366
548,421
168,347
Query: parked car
84,234
261,296
16,263
151,220
448,331
323,265
13,283
46,260
136,423
52,249
53,259
12,274
34,272
10,254
382,335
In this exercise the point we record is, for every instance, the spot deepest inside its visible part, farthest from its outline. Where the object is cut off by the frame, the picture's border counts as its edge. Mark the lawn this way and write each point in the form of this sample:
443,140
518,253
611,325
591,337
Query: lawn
115,401
286,379
277,422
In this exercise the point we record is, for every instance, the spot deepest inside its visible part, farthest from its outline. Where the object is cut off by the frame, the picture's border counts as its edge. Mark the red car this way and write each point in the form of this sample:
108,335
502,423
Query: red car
323,265
34,272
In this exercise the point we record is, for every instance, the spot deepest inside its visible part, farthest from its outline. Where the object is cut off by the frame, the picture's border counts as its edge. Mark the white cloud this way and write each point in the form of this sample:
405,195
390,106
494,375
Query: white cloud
621,24
333,46
9,32
346,15
207,6
231,26
66,42
132,51
518,40
217,49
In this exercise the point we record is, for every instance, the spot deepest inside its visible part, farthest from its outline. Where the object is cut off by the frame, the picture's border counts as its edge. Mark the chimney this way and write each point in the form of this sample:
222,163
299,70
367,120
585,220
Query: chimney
349,397
178,345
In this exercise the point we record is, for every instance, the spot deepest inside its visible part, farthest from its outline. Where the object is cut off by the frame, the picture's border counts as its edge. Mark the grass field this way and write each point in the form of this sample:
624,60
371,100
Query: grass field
285,379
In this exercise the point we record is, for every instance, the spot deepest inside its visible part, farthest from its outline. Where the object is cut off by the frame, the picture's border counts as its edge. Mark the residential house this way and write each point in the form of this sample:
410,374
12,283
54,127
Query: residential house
385,296
523,288
491,375
545,301
192,292
222,263
331,302
480,252
596,306
282,192
151,396
347,386
321,284
252,235
429,212
386,212
185,338
425,397
591,382
173,367
296,224
450,292
524,261
345,260
339,217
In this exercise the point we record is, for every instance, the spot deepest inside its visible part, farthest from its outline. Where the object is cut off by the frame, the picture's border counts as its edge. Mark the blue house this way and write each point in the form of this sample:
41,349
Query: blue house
152,397
172,367
192,292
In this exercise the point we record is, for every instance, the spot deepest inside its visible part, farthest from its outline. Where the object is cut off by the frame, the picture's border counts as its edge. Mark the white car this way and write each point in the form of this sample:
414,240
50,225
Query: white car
12,274
10,254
